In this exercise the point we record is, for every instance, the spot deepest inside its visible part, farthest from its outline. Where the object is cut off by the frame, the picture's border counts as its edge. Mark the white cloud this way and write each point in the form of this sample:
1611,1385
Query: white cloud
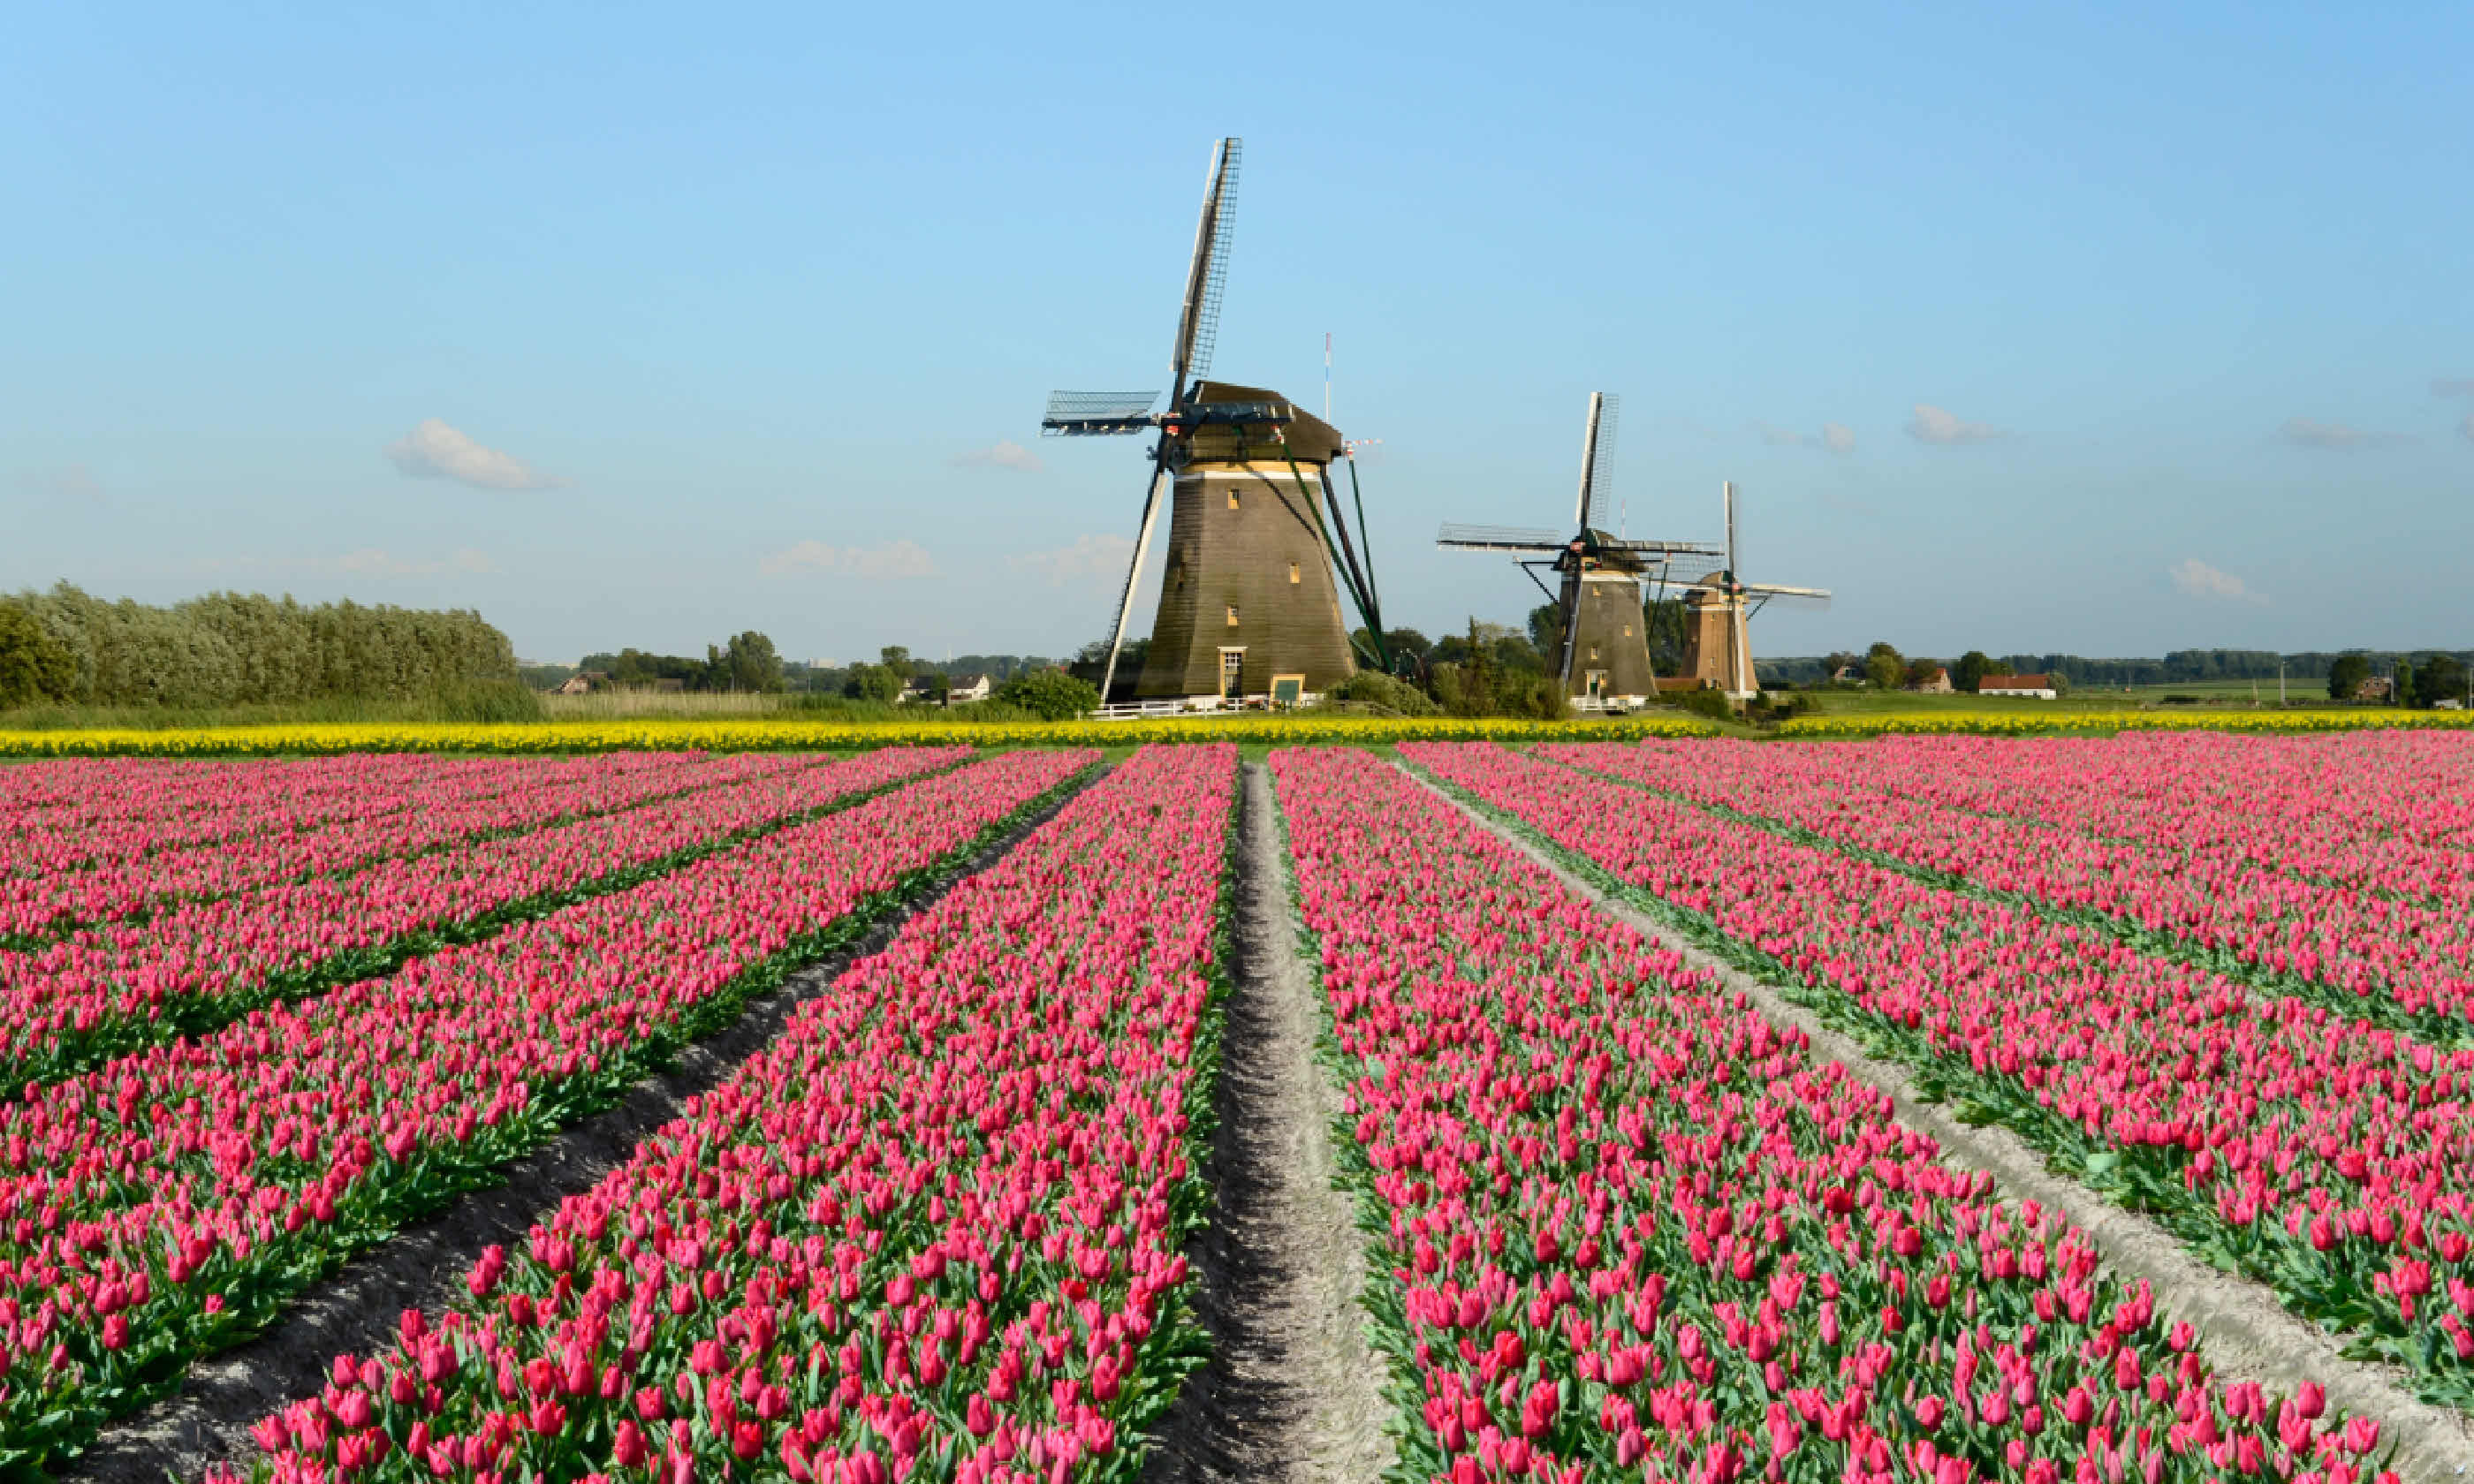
893,561
1006,454
2196,578
1932,425
2310,433
68,482
1100,559
433,450
1836,437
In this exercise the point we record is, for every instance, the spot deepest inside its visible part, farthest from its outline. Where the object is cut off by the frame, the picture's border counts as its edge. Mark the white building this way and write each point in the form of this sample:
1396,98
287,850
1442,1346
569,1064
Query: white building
2033,688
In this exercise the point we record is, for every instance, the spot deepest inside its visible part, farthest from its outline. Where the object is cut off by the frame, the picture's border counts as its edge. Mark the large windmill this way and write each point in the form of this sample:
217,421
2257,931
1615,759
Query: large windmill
1248,604
1718,646
1605,657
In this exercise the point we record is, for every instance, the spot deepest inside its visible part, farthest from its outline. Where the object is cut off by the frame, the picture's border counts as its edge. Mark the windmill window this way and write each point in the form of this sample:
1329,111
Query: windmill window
1293,574
1232,496
1594,652
1232,615
1627,631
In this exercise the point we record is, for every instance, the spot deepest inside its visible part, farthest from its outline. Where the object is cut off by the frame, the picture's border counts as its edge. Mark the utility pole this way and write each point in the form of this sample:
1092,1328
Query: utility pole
2280,680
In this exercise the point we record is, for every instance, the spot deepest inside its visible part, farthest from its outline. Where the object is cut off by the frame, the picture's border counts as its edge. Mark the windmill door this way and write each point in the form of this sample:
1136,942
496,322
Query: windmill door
1232,673
1597,684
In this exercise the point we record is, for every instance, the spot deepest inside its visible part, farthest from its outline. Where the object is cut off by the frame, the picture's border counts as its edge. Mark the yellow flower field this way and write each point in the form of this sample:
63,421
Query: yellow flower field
1874,724
762,734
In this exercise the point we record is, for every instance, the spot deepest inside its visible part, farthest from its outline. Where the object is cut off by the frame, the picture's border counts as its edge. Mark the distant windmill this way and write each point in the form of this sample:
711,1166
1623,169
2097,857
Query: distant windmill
1605,657
1248,604
1717,647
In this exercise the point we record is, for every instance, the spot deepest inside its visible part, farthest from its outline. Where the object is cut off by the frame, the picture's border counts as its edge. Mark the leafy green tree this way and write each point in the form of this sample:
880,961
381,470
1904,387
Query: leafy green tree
1971,670
749,663
2345,676
1664,622
872,682
1546,631
2401,689
1920,671
1884,667
1052,694
34,666
896,658
2440,678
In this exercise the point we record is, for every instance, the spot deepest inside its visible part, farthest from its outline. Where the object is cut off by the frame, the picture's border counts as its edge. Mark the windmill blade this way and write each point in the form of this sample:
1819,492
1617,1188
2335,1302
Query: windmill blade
1197,323
1160,484
1597,457
1098,413
1760,596
1650,550
1465,538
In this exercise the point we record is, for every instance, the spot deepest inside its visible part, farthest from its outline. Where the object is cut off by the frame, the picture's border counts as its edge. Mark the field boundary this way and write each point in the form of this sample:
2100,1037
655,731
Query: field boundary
2246,1331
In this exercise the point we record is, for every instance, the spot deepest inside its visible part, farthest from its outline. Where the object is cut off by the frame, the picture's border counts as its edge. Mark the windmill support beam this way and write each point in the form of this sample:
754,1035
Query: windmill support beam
1133,580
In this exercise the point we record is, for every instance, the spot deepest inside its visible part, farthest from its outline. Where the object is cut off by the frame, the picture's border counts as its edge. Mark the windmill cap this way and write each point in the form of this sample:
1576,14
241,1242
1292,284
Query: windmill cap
1309,439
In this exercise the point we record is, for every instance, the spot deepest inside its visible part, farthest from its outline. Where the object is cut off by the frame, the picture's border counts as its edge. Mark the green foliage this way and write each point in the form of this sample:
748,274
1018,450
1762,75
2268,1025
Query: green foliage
2438,679
2345,676
1052,695
229,649
1546,630
1374,689
1884,667
1974,668
872,682
749,663
1711,703
34,666
485,700
1664,624
1921,671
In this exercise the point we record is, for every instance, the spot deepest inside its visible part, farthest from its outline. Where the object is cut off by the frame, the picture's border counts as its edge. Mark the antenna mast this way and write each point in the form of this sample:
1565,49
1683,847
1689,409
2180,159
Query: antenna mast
1326,375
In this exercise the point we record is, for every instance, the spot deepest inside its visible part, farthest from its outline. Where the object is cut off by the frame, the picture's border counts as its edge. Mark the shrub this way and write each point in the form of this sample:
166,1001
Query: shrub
1375,689
1711,703
34,666
1051,694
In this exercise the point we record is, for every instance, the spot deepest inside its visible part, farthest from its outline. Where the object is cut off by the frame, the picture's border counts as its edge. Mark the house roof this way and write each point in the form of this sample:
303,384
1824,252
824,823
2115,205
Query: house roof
2015,682
965,681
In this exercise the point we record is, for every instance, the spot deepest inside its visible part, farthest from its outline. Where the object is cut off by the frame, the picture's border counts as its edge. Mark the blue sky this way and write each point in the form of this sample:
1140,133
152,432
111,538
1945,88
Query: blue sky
2139,329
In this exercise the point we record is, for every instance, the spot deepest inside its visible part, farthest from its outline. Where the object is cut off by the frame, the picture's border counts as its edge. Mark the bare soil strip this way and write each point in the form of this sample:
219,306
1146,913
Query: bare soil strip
2243,1329
1292,1391
356,1311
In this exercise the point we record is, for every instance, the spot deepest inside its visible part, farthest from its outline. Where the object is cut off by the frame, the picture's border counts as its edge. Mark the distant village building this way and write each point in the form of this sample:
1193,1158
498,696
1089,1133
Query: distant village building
1937,684
578,683
962,689
2381,688
922,690
2034,687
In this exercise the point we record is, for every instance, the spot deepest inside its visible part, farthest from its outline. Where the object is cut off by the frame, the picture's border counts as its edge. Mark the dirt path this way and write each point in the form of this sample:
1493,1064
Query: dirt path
356,1311
1293,1391
2243,1330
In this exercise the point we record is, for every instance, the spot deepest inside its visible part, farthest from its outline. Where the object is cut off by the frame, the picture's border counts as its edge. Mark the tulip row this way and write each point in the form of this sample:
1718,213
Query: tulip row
934,1230
2288,930
191,968
1626,1226
337,835
2329,1157
170,1200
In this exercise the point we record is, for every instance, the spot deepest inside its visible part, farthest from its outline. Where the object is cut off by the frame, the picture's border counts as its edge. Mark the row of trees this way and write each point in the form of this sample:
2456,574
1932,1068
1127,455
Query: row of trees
2439,678
68,647
748,663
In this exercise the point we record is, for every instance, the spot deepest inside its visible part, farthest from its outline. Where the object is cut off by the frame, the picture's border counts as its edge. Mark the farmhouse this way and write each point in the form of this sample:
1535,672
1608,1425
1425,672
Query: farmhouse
966,687
2036,687
1937,684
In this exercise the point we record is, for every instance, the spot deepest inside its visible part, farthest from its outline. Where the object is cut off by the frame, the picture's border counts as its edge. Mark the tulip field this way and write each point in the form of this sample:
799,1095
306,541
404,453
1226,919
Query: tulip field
946,1209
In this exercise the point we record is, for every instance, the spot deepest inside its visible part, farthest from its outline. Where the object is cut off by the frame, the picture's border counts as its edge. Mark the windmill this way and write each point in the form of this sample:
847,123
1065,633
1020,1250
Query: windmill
1717,648
1248,604
1605,655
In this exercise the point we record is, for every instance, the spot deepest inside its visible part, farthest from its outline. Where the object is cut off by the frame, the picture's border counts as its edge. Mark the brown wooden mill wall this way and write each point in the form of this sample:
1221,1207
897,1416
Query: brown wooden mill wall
1220,558
1609,622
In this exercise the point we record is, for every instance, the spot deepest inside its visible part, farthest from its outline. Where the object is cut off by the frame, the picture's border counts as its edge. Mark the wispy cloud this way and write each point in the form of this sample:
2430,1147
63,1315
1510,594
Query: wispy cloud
1098,560
1930,425
435,450
1004,454
2311,433
2453,386
367,562
68,482
2196,578
895,561
1836,437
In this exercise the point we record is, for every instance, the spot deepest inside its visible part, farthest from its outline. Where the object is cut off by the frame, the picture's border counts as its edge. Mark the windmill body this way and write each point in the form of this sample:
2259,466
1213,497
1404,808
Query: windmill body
1249,603
1718,610
1604,659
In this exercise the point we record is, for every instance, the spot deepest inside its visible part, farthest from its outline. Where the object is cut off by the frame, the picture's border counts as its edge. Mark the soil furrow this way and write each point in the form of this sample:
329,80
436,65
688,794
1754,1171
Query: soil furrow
356,1312
1292,1391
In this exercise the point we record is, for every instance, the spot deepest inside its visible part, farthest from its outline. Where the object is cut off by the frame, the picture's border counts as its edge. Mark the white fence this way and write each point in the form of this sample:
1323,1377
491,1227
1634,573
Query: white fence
1191,705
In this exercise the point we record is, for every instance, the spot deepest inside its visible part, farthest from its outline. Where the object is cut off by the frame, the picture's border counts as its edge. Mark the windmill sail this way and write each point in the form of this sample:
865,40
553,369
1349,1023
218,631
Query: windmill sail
1597,458
1197,323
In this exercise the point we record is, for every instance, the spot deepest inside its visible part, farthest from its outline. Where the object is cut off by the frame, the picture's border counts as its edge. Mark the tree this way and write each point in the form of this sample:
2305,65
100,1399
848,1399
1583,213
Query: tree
1884,667
872,682
1052,694
1663,622
1546,631
2345,676
2401,687
1921,671
34,666
1971,670
895,658
749,663
2441,678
